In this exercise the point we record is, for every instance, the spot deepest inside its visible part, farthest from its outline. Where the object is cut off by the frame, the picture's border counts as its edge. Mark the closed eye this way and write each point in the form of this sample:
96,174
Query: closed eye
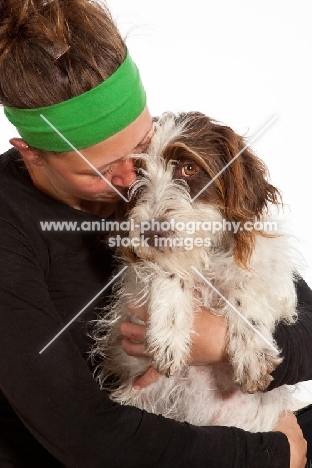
95,175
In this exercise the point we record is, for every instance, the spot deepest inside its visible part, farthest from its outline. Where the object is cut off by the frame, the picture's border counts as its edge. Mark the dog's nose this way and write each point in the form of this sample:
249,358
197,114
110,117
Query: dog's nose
158,233
154,236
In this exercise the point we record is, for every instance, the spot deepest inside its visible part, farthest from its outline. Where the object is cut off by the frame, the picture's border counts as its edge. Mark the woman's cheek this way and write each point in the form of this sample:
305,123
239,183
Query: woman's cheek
98,185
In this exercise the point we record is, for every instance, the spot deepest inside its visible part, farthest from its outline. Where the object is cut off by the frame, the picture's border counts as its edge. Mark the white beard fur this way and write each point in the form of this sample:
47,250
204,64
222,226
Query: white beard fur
172,291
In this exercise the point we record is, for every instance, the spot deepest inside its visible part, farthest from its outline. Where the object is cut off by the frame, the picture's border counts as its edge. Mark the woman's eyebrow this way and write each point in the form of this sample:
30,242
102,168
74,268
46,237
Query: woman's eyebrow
143,142
105,166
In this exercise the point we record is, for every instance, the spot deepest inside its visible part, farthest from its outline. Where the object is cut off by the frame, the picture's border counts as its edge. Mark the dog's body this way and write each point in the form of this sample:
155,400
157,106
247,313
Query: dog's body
247,277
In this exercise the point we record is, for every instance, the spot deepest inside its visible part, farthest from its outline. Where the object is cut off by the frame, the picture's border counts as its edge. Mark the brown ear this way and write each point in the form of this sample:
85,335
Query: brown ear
247,193
240,189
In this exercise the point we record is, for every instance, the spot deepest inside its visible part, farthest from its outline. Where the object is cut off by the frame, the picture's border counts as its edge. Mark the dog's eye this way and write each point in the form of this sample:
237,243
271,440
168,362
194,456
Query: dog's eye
189,169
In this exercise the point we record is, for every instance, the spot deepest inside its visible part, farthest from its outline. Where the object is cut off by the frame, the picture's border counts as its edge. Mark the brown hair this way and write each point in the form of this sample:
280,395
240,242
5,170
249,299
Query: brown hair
31,76
241,192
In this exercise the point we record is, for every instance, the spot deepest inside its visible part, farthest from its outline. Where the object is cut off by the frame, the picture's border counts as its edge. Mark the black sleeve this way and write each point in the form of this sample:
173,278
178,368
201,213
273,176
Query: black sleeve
295,341
57,399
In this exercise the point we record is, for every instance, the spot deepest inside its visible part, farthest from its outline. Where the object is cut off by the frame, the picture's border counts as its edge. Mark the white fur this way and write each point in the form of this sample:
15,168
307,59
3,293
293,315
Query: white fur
172,292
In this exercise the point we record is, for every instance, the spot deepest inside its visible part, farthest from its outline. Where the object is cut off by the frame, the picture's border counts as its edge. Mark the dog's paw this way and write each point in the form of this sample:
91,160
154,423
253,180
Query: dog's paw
166,362
256,376
251,386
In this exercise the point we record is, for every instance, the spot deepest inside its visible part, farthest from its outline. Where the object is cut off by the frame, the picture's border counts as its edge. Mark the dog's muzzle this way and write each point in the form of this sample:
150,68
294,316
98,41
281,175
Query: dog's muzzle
152,237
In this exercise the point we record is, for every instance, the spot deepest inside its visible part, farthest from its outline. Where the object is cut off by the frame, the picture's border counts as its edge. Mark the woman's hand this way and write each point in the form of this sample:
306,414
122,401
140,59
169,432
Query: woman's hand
288,424
209,341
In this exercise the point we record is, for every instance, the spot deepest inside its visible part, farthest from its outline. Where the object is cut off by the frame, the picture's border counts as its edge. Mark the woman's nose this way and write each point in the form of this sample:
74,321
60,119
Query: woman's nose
123,173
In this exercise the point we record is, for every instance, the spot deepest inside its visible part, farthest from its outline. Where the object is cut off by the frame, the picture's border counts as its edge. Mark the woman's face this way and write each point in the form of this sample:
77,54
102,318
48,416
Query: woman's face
71,177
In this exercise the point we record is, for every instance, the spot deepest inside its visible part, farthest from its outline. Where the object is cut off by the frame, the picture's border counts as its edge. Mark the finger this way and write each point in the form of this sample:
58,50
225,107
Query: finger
146,379
133,331
139,312
287,417
133,349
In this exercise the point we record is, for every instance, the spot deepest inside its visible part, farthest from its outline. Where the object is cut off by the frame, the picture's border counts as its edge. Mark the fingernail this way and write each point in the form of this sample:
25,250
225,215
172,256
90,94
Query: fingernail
136,388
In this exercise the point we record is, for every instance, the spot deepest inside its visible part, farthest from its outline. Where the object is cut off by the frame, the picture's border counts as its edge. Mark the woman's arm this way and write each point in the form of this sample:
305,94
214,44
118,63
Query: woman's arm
58,401
295,342
209,342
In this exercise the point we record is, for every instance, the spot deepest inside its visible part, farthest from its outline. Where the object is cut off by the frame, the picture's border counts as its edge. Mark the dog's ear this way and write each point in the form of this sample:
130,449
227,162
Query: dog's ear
245,189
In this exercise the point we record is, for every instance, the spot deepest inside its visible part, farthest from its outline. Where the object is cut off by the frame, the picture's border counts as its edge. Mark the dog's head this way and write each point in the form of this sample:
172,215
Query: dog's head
195,162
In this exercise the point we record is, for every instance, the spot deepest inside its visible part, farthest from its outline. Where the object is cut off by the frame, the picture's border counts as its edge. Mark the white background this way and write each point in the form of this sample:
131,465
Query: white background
241,62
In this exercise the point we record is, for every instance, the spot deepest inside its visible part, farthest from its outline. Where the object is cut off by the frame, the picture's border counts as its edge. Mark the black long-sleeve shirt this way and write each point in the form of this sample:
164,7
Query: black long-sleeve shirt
52,412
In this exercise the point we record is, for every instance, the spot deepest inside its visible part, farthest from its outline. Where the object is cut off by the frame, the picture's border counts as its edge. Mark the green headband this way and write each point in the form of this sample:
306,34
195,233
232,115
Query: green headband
86,119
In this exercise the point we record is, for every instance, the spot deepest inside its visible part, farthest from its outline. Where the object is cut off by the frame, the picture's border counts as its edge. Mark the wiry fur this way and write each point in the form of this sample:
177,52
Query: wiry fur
254,271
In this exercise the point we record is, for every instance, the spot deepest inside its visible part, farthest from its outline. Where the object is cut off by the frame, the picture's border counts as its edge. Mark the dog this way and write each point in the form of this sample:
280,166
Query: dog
198,210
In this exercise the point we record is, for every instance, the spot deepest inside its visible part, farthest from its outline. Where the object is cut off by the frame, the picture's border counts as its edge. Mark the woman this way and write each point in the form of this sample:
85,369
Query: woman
70,87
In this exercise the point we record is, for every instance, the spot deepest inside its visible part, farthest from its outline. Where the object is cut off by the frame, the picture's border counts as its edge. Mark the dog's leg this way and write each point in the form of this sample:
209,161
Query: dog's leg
170,320
251,347
116,370
252,362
